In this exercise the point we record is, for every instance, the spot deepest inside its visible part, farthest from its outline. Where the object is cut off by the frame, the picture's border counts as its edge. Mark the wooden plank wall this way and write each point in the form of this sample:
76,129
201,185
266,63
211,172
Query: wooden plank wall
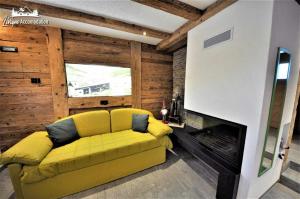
27,107
94,49
24,107
157,78
156,69
84,48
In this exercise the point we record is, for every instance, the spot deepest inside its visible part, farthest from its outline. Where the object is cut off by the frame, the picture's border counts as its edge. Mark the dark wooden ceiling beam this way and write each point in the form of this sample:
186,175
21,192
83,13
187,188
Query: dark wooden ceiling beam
181,33
174,7
177,46
62,13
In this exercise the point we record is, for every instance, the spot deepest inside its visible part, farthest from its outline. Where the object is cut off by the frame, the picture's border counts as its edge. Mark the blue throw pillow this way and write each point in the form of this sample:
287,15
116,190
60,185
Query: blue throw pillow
62,132
140,122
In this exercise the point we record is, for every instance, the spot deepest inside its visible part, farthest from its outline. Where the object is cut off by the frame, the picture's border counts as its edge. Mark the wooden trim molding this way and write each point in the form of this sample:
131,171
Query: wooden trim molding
95,102
136,74
68,14
174,7
57,68
181,33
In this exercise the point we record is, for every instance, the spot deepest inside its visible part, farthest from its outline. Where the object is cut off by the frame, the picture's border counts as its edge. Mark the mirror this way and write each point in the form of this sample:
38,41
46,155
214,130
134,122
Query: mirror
276,109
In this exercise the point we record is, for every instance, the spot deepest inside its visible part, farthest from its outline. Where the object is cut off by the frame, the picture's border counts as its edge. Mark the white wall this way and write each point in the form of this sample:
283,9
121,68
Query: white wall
229,80
285,33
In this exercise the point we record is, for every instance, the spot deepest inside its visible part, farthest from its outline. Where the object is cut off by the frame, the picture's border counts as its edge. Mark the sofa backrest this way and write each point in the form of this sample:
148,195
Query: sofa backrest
91,123
121,119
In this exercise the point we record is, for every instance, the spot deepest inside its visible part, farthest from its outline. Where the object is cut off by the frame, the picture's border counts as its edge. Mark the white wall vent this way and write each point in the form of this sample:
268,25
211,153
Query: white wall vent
225,36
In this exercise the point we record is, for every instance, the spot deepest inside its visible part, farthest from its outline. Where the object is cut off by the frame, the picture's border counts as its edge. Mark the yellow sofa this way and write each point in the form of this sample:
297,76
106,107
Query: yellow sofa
107,150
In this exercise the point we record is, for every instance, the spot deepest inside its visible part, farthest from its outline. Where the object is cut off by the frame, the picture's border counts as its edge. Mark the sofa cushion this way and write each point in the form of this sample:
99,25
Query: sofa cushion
157,128
93,150
29,151
91,123
31,174
140,122
62,132
121,119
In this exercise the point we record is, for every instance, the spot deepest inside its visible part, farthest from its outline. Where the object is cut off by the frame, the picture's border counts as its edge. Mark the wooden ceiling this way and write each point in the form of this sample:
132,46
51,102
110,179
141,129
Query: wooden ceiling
168,41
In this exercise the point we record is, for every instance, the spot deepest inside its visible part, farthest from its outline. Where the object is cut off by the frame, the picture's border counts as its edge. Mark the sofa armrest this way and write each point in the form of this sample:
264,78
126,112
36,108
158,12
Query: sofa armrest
29,151
157,128
15,171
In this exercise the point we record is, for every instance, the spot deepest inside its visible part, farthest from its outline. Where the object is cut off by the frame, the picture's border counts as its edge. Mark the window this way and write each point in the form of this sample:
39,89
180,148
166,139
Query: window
283,71
97,80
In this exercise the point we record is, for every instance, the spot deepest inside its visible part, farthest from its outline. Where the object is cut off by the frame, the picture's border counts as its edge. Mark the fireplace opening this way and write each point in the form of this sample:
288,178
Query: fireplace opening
224,140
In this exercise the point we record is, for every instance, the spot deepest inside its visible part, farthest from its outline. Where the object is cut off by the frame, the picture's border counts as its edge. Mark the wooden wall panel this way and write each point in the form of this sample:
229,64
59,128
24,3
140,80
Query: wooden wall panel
151,68
92,49
94,102
157,78
24,107
57,68
27,107
84,48
136,74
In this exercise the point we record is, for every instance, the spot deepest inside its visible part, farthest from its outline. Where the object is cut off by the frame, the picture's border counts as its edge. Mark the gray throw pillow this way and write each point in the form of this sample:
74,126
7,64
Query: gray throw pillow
62,132
140,122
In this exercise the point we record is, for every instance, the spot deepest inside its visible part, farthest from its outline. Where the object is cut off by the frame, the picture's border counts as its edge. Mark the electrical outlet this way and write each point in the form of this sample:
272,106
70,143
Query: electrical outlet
104,102
35,80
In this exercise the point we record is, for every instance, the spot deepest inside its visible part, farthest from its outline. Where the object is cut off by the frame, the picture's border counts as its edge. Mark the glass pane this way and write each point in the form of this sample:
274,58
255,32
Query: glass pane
276,110
283,71
97,80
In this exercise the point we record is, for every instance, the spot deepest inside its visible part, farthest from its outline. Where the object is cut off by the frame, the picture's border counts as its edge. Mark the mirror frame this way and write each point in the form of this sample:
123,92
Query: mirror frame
260,171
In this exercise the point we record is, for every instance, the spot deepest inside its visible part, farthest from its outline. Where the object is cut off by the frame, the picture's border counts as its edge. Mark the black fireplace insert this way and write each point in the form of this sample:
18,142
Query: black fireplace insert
224,139
220,144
